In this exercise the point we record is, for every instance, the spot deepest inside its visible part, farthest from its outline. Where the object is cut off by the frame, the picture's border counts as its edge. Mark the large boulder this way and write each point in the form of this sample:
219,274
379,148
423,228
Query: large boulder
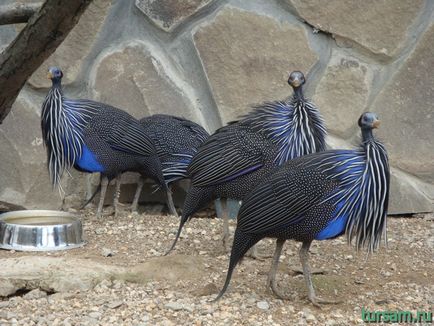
24,180
405,106
247,58
405,195
343,92
52,274
70,55
379,26
140,82
169,14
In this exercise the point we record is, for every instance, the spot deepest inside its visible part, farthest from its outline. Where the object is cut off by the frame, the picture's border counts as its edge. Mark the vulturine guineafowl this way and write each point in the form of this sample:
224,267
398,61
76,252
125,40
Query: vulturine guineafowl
318,197
94,137
176,140
232,161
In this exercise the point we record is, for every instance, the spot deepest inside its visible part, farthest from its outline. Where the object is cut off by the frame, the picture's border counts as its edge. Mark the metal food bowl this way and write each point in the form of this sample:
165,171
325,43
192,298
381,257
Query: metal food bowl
40,230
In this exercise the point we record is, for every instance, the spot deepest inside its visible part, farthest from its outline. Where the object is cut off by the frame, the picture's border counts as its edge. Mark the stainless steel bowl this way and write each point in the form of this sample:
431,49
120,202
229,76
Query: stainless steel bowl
40,230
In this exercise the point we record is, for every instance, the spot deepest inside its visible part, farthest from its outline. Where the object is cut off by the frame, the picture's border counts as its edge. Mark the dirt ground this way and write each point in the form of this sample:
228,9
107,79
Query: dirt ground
177,288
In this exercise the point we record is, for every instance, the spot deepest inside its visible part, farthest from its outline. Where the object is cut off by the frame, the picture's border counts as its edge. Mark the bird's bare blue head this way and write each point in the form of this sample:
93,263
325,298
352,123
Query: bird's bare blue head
296,80
55,74
369,121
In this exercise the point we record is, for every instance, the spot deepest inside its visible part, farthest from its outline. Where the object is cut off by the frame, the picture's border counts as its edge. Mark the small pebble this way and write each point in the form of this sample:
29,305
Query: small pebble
263,305
106,252
115,304
95,315
308,315
35,294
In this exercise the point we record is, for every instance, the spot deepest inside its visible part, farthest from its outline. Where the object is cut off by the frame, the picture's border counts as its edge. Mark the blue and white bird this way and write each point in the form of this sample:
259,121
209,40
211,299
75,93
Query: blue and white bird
236,157
94,137
177,140
318,197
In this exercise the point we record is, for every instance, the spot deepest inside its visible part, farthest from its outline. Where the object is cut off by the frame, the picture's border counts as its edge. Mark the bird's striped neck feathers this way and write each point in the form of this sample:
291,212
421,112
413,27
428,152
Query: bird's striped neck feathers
363,192
294,125
368,222
62,123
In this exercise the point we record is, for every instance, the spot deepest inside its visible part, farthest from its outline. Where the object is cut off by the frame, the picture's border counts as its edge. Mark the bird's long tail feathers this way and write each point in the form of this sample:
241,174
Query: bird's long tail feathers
184,219
154,170
242,243
197,198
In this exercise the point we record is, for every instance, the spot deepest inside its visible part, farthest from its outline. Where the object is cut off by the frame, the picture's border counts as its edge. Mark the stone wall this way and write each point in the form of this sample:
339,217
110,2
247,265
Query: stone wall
210,60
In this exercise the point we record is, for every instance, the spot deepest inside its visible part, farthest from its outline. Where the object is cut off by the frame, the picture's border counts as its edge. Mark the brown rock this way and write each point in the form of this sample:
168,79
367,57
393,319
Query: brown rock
342,93
137,81
6,207
405,195
71,53
380,26
247,58
24,178
168,14
405,106
71,274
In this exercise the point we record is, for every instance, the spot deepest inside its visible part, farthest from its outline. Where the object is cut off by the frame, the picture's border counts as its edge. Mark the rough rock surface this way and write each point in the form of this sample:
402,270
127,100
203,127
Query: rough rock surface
405,196
368,23
144,82
168,14
342,93
51,274
405,106
247,58
78,44
24,178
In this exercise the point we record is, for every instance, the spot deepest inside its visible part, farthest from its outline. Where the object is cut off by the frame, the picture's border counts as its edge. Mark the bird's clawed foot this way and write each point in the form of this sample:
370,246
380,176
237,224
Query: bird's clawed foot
317,301
272,285
97,216
134,208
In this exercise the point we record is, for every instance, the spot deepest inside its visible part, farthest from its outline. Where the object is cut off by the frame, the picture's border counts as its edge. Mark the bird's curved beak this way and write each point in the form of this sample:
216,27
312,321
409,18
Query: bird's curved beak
296,83
49,75
376,123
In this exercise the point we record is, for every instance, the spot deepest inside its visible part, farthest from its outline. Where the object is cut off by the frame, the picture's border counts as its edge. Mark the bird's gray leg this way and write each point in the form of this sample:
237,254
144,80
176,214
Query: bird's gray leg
135,203
117,194
89,191
104,184
271,280
170,203
304,258
225,212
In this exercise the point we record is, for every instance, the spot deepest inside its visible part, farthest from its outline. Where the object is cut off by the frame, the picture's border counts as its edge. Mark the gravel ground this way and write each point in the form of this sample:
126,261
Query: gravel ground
397,278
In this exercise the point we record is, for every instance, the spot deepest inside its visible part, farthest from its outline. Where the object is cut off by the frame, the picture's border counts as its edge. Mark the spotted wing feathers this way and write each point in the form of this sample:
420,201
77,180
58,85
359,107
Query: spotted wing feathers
231,152
284,198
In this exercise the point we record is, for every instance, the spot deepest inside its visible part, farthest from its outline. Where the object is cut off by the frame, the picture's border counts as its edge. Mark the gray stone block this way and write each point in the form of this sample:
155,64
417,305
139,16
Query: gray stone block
379,26
247,58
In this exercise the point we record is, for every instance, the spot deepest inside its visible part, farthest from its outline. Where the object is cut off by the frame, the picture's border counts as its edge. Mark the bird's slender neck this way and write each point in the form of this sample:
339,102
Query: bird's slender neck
57,85
367,135
298,93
